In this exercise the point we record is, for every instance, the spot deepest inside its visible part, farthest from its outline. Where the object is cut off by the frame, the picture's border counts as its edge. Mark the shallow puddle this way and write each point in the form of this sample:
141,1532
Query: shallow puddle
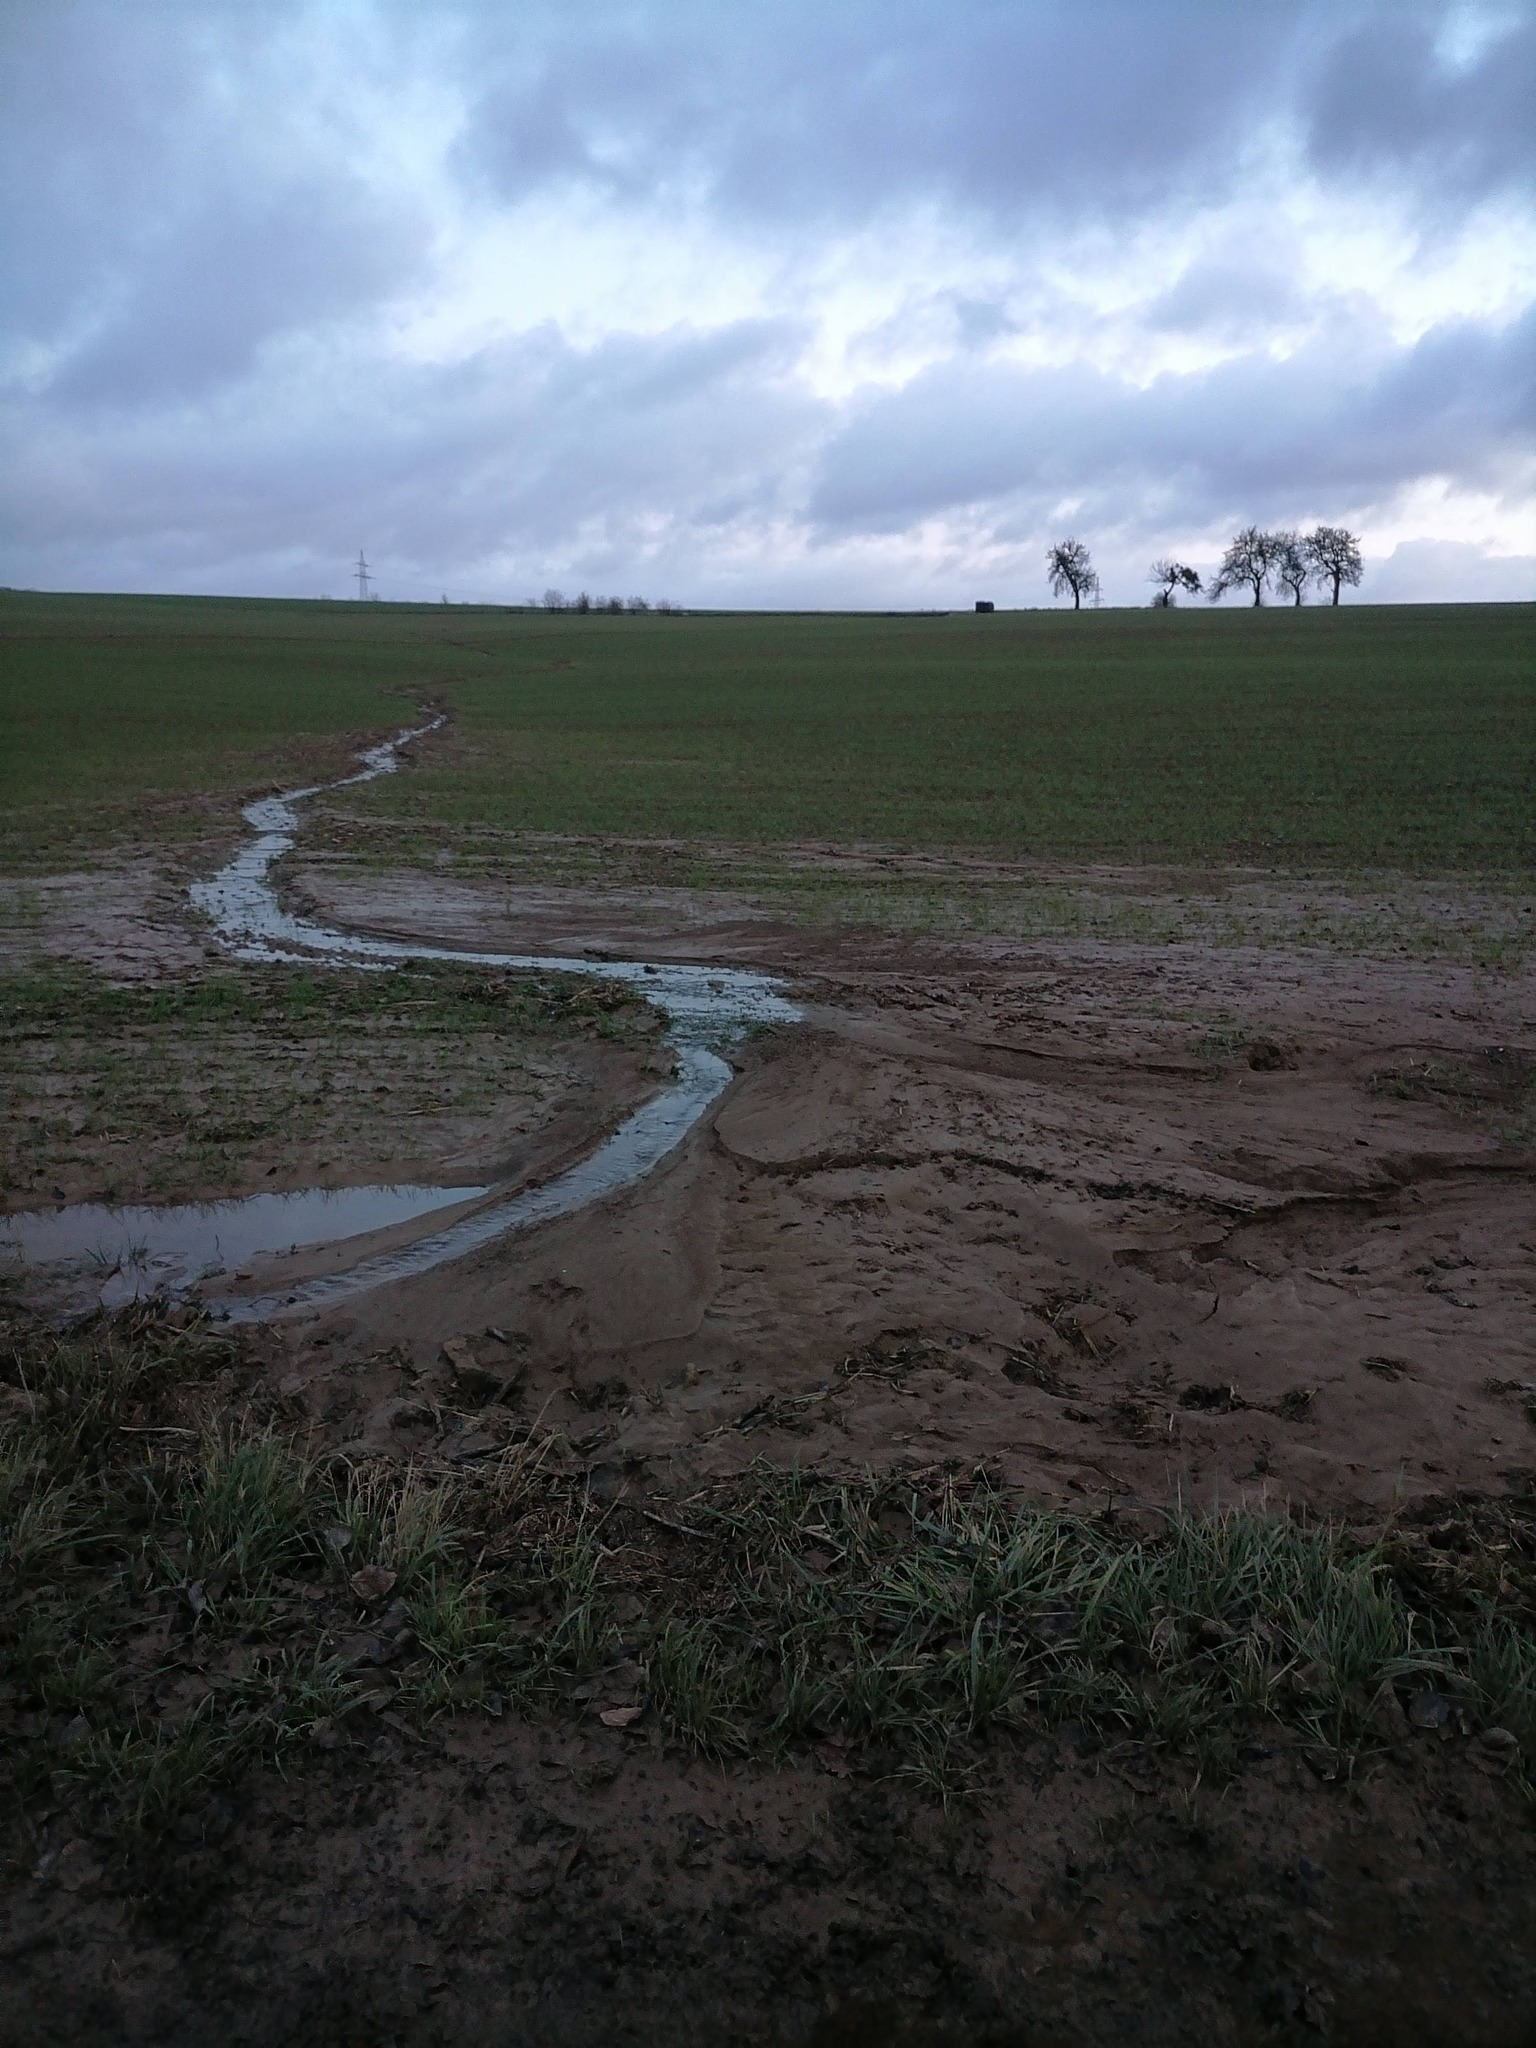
149,1250
635,1147
146,1250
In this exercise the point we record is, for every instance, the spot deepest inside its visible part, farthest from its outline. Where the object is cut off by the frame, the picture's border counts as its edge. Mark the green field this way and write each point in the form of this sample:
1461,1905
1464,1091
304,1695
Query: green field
1380,737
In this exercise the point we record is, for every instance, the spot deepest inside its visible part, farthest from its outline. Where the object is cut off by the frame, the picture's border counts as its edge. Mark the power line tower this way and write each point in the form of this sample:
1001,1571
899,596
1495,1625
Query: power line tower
361,573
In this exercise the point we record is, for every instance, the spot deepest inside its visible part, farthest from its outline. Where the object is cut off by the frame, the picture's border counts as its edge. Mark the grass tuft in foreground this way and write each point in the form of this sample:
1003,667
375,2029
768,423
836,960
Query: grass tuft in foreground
187,1590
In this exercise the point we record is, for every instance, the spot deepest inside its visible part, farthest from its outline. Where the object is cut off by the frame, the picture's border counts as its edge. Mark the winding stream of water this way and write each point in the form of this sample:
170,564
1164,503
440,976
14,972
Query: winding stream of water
705,1007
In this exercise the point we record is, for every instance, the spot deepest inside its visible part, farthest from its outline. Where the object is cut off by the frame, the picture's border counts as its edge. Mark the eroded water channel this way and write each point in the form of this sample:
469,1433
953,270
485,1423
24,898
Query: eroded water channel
147,1250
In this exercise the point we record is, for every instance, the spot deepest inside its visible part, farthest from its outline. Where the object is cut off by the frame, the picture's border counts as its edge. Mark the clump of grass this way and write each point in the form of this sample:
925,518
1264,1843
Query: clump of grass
399,1521
246,1502
452,1621
315,1692
697,1686
1501,1677
911,1623
984,1611
41,1516
154,1777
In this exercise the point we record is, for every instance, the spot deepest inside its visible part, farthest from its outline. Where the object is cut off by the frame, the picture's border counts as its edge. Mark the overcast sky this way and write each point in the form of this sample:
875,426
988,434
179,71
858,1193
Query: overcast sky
814,302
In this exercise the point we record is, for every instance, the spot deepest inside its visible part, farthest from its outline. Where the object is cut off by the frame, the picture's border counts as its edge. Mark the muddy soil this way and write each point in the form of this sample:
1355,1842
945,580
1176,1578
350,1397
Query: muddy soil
497,1884
1113,1221
197,1124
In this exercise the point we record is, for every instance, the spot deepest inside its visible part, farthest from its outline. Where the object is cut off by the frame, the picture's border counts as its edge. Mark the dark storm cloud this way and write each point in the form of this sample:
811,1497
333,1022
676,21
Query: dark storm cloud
1250,438
1385,102
528,445
789,112
1223,297
87,118
180,209
236,269
221,220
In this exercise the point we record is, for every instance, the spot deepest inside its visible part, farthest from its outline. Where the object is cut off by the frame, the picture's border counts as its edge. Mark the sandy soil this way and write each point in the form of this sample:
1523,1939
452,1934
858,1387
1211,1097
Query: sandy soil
1116,1220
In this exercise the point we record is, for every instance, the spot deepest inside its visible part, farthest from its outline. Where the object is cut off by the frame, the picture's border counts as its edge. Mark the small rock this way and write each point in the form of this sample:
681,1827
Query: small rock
478,1383
1499,1741
372,1582
1208,1399
1429,1709
16,1407
457,1353
620,1717
1385,1368
77,1869
1265,1057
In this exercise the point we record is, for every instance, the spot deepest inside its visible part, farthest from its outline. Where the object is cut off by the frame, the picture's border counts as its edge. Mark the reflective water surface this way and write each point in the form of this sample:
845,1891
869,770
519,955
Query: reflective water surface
635,1147
146,1249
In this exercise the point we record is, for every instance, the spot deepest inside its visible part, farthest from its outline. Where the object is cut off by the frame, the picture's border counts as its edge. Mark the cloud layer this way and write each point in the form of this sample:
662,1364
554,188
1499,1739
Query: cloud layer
771,304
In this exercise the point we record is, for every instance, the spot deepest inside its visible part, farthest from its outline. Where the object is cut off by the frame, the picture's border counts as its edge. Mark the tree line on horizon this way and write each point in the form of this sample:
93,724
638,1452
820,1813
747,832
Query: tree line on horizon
557,601
1257,557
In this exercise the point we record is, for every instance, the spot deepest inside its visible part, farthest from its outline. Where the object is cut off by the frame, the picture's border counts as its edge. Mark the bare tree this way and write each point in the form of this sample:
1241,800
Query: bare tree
1291,565
1334,553
554,600
1249,560
1070,567
1172,577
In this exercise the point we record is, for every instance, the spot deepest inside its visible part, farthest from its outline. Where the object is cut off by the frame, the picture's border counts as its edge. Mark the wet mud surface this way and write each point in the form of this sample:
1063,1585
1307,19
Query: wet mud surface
155,1128
1117,1220
1113,1221
496,1884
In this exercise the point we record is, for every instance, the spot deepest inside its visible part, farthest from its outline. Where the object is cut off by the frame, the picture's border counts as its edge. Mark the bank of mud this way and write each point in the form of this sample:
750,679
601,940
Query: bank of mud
230,1080
1125,1219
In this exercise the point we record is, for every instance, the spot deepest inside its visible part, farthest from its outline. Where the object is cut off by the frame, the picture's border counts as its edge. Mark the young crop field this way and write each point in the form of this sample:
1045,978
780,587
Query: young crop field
1377,737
